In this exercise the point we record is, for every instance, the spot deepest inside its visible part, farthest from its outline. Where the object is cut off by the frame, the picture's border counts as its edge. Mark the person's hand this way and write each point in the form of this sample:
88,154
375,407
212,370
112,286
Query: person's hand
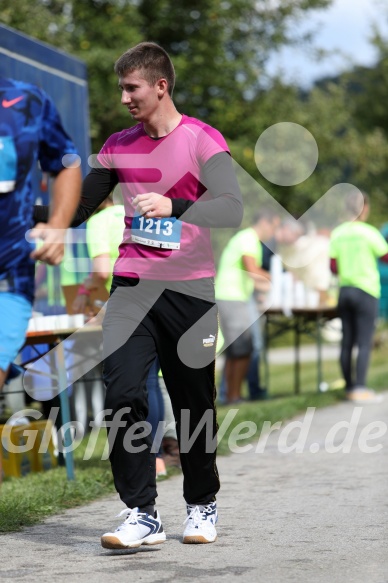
52,249
152,204
262,283
80,304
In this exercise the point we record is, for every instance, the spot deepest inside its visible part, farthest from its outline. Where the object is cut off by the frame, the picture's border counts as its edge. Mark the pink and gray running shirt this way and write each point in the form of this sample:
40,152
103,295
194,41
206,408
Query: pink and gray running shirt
169,249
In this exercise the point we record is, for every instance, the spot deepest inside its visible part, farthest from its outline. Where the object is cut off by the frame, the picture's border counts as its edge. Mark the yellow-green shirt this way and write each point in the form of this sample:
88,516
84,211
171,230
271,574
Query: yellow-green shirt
104,233
71,271
356,246
232,281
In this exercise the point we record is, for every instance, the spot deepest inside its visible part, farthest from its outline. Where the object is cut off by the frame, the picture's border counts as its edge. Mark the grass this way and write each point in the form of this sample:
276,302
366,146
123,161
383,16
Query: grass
28,500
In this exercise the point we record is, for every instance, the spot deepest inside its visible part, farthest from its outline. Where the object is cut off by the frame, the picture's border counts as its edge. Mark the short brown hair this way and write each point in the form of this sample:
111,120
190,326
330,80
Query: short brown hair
149,58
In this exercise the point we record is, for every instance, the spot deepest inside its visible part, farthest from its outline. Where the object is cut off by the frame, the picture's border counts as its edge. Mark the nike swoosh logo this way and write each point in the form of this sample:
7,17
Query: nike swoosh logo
11,102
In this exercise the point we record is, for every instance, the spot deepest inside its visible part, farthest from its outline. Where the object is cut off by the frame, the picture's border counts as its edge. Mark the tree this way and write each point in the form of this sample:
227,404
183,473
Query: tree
364,91
346,154
219,48
368,87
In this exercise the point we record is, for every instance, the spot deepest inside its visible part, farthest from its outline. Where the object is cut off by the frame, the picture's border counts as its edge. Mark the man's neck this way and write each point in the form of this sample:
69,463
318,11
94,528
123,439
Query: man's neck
163,123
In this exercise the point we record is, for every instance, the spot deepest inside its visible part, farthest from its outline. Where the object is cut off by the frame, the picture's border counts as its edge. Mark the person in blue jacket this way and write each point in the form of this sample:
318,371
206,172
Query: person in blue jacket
31,132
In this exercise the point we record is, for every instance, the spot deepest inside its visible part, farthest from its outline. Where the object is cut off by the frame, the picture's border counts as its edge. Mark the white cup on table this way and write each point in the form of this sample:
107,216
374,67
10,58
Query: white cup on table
62,322
312,298
41,324
77,320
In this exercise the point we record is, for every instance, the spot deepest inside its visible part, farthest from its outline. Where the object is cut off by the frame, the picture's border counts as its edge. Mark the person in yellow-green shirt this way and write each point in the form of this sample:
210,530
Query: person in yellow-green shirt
104,233
355,248
239,274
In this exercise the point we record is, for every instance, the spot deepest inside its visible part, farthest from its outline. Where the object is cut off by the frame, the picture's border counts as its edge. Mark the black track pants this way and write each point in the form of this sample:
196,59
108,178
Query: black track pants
130,348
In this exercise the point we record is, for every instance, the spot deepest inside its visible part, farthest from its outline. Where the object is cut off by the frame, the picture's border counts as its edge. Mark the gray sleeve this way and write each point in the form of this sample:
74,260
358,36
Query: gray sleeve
223,207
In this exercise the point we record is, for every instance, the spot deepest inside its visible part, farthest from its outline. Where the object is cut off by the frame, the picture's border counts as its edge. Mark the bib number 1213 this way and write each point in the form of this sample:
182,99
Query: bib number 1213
163,233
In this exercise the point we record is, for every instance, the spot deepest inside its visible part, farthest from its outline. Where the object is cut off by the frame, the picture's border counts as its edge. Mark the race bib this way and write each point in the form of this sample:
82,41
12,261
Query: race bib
162,233
8,164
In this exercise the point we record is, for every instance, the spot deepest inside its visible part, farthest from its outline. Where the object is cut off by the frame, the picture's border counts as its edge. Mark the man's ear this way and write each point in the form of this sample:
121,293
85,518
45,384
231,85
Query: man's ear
162,86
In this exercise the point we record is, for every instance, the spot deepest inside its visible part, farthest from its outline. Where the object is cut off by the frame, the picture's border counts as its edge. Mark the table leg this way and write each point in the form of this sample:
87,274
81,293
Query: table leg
65,408
265,353
319,353
297,357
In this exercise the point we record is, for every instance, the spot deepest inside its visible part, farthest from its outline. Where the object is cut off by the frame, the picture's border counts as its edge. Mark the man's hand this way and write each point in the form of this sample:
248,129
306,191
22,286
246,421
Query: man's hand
66,195
152,204
53,247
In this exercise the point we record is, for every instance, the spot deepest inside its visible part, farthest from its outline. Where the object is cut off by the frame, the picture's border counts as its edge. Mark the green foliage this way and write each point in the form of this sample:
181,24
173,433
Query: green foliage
219,48
103,30
346,152
368,88
45,20
362,144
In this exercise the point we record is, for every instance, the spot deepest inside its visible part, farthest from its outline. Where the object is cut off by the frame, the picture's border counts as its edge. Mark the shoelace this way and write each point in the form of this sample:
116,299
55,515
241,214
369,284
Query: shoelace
131,518
197,515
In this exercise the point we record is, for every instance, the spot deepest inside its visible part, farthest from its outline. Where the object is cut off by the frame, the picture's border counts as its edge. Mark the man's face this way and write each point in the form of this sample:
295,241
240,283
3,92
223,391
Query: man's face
138,96
268,228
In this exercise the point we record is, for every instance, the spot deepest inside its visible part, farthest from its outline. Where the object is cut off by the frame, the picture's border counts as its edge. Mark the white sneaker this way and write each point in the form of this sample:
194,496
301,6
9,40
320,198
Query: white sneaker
200,527
364,396
139,528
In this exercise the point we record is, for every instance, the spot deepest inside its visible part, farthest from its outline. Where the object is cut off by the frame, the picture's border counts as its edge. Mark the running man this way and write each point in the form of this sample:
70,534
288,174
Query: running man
177,181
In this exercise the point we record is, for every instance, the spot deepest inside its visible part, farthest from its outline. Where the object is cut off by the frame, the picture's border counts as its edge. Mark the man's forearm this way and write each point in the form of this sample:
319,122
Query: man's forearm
97,185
